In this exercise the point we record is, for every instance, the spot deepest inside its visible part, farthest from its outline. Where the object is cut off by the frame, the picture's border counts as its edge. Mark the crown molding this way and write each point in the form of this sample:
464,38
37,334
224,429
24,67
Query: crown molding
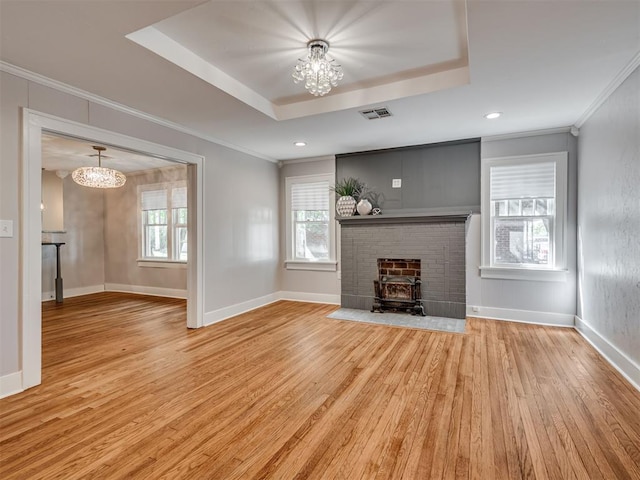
105,102
307,160
606,93
530,133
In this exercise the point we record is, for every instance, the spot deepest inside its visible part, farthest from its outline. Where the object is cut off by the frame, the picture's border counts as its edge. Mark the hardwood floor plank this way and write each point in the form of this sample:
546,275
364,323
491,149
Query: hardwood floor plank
283,392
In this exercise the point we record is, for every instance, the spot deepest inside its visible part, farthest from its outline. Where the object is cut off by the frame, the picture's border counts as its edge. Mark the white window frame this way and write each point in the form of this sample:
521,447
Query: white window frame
155,262
296,264
558,271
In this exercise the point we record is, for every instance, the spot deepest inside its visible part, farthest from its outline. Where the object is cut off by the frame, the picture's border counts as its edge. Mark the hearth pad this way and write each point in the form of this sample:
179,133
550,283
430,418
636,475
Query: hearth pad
442,324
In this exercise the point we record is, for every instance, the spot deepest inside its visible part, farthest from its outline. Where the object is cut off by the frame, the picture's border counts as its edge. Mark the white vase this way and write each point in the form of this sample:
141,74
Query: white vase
346,206
364,207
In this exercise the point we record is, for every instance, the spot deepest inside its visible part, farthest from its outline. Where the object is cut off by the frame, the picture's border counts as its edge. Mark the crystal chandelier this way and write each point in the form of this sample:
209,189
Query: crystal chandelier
319,72
98,177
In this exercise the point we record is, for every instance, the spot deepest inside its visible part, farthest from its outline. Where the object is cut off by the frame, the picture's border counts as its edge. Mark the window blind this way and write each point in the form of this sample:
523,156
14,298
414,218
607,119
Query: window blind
310,196
179,197
531,180
154,200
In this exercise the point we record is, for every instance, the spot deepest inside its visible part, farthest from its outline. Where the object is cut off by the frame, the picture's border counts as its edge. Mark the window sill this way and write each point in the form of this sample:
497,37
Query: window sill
531,274
143,262
315,266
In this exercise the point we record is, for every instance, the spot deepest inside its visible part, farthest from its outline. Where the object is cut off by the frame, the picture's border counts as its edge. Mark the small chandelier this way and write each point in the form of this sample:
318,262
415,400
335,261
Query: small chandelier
319,72
98,177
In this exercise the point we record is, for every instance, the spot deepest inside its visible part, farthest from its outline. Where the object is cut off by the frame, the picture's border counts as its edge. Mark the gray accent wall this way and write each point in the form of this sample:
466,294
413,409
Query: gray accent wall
241,204
609,219
443,175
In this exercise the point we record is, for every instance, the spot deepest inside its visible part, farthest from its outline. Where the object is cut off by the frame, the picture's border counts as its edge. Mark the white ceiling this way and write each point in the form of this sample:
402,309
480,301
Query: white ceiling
542,63
388,50
67,154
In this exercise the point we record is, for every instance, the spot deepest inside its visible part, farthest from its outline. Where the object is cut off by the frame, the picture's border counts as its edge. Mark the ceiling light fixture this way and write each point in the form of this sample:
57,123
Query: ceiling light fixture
492,115
300,144
98,177
318,71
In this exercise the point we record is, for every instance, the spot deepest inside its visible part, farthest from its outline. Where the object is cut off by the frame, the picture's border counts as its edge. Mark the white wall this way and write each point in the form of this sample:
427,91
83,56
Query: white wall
609,221
307,284
240,204
552,302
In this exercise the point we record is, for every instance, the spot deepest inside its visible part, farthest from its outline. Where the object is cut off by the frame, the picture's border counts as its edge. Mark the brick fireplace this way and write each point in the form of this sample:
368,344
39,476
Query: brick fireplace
439,245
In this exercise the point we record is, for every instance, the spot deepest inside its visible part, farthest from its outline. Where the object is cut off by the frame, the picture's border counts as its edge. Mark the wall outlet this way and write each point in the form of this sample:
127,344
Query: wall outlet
396,183
6,228
475,309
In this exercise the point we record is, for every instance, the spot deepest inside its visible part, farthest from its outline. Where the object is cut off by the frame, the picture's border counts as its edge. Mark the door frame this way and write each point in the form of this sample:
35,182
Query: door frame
30,281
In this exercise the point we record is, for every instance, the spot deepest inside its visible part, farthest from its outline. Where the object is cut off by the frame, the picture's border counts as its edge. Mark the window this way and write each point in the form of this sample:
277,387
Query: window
523,216
310,223
163,211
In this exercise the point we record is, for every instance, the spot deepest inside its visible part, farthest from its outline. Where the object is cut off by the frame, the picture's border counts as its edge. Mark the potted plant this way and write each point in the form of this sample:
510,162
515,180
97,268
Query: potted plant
348,191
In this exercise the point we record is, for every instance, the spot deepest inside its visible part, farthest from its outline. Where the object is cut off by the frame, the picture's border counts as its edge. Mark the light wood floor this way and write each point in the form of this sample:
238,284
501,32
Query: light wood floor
285,393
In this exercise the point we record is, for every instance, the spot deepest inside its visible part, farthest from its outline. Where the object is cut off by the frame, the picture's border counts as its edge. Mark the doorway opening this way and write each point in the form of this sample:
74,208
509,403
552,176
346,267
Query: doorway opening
37,126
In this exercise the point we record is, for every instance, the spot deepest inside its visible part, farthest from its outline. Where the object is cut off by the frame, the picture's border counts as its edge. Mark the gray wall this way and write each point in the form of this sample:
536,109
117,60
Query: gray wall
13,94
82,258
241,208
433,176
609,219
537,296
307,281
121,234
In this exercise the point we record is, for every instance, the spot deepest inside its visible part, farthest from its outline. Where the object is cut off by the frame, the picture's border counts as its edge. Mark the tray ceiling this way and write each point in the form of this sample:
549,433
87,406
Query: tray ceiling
388,50
544,64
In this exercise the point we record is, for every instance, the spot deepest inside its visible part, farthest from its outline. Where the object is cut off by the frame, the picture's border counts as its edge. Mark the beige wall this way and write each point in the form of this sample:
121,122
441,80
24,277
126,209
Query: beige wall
52,202
121,234
102,239
82,256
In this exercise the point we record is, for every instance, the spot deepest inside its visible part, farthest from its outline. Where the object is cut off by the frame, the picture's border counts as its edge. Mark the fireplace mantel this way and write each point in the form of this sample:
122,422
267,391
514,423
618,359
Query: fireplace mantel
404,216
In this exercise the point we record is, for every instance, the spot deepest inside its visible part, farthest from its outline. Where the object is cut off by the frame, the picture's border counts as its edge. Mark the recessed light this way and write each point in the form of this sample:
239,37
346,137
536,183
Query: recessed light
492,115
300,144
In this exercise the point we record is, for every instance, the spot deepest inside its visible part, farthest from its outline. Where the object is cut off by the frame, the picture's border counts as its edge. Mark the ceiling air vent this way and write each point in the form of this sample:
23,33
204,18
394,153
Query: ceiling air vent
372,114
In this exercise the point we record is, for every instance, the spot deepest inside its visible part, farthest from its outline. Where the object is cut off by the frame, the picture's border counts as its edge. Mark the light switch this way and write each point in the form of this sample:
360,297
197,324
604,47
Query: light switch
6,228
396,183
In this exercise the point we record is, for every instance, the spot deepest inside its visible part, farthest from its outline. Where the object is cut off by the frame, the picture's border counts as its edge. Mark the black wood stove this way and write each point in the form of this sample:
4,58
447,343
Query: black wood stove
398,292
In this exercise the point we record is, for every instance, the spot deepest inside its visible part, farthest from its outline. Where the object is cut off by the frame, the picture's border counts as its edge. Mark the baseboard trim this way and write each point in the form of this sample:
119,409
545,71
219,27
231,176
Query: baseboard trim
310,297
73,292
522,316
618,360
144,290
224,313
10,384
